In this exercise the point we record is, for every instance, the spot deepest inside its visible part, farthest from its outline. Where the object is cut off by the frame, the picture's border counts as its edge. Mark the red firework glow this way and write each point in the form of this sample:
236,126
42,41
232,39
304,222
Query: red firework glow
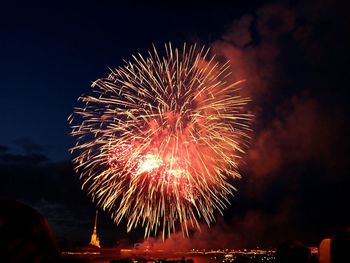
169,172
159,139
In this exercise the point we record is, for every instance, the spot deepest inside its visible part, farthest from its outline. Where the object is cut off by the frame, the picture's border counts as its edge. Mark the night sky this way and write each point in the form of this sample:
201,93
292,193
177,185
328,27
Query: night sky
293,54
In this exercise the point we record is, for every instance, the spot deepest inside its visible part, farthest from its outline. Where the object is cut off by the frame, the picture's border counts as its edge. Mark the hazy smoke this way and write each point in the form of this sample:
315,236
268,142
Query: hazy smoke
292,126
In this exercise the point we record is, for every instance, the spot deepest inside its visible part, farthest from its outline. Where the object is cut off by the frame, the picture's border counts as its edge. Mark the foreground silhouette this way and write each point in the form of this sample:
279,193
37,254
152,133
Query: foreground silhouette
293,252
25,235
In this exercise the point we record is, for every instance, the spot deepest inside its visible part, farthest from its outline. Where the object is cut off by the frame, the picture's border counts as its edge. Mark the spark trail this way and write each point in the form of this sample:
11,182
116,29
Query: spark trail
159,139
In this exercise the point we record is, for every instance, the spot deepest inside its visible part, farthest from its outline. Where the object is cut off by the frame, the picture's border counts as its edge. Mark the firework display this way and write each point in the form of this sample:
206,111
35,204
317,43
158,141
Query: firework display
159,140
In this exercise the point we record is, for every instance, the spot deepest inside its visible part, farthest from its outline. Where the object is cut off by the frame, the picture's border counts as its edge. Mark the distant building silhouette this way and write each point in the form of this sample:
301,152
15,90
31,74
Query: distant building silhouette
95,241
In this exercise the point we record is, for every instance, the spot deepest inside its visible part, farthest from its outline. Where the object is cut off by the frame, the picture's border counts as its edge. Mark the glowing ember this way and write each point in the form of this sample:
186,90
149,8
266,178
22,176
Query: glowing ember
149,163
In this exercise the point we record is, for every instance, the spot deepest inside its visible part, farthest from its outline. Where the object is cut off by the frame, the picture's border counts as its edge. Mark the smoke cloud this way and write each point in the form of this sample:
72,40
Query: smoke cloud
275,49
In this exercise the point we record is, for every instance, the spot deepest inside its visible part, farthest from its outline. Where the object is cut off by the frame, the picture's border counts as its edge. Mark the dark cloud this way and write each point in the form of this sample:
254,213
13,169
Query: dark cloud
28,146
33,159
3,149
23,151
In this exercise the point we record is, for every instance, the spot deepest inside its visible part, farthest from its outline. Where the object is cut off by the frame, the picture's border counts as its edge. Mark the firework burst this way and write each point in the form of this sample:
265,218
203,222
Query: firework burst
159,139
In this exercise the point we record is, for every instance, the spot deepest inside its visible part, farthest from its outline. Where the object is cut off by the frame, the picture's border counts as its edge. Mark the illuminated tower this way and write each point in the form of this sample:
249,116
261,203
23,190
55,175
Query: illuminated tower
95,241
